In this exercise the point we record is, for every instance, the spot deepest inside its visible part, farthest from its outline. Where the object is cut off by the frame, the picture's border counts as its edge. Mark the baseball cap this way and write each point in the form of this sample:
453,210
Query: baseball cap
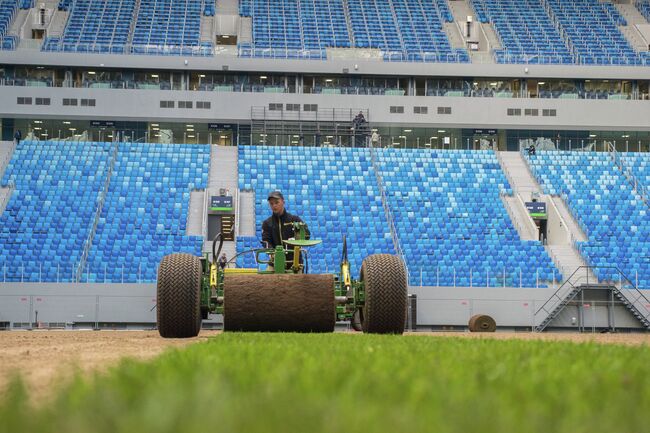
275,194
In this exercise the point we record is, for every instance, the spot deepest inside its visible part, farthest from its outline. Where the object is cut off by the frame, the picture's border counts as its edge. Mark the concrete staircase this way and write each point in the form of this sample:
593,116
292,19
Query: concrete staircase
522,222
207,28
134,20
223,174
562,229
245,30
196,211
6,152
57,24
634,21
17,24
227,7
247,213
348,22
223,167
481,34
570,221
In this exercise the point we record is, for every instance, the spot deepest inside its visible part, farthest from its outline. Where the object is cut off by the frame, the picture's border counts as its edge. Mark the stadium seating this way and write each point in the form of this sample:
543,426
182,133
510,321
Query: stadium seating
169,27
443,202
246,8
26,4
323,24
209,9
452,225
95,26
528,37
7,13
335,192
247,243
639,164
64,5
406,30
145,214
615,219
51,211
644,7
591,29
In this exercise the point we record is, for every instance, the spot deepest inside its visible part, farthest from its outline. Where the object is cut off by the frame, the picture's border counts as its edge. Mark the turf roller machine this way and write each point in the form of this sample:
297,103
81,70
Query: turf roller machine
281,298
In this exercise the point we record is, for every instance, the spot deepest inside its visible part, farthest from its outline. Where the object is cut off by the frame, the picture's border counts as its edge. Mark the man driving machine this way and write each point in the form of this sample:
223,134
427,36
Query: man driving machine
278,228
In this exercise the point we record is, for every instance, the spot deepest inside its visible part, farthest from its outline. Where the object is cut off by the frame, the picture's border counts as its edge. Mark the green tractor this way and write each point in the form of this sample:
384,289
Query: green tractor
281,298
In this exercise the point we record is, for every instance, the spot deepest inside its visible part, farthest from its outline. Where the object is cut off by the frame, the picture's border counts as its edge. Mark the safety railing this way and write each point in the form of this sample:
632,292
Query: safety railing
639,187
444,276
98,212
143,272
4,200
384,201
321,114
581,278
4,161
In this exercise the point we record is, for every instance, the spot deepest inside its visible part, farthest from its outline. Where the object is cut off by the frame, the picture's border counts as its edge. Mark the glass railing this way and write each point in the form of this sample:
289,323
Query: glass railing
425,276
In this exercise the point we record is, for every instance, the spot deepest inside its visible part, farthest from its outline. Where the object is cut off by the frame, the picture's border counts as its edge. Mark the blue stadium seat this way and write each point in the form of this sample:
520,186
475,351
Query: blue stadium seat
603,201
526,32
94,26
8,9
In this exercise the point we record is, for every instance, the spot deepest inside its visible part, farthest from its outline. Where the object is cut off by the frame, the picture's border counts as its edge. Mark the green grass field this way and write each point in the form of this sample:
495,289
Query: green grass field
342,383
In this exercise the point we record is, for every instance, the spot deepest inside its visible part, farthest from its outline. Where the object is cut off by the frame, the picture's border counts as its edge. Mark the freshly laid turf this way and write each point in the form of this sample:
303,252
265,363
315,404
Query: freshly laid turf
342,383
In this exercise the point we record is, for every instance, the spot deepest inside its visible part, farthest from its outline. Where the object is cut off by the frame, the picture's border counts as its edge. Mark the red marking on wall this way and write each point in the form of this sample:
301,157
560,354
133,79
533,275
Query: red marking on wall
525,304
463,303
586,305
23,299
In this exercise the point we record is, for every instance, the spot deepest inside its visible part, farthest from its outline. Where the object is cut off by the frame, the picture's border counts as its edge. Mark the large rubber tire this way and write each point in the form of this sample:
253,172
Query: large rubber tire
384,310
179,296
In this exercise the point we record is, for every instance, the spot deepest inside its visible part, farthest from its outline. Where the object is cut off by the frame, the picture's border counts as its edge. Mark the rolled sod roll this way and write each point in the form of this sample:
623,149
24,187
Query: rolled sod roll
279,303
482,323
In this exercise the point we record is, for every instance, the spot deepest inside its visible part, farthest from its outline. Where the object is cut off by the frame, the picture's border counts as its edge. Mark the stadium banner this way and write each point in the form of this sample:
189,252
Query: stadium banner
537,210
221,203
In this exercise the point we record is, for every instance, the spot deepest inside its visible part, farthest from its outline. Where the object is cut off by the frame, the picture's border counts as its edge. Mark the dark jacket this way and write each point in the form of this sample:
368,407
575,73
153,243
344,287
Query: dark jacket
274,230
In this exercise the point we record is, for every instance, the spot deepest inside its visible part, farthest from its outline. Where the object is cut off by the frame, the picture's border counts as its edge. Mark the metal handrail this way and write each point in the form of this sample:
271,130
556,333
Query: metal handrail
389,214
569,285
5,200
98,212
627,172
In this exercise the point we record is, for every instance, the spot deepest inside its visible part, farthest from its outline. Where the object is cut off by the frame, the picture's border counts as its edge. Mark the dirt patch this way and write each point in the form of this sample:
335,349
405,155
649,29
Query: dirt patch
44,358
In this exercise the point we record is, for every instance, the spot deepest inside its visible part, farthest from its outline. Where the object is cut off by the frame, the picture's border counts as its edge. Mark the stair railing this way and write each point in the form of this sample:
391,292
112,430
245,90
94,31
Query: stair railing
98,212
639,188
384,201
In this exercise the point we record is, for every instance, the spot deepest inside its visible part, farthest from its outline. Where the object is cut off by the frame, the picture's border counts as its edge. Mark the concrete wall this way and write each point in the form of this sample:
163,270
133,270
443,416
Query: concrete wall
556,231
437,307
143,105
